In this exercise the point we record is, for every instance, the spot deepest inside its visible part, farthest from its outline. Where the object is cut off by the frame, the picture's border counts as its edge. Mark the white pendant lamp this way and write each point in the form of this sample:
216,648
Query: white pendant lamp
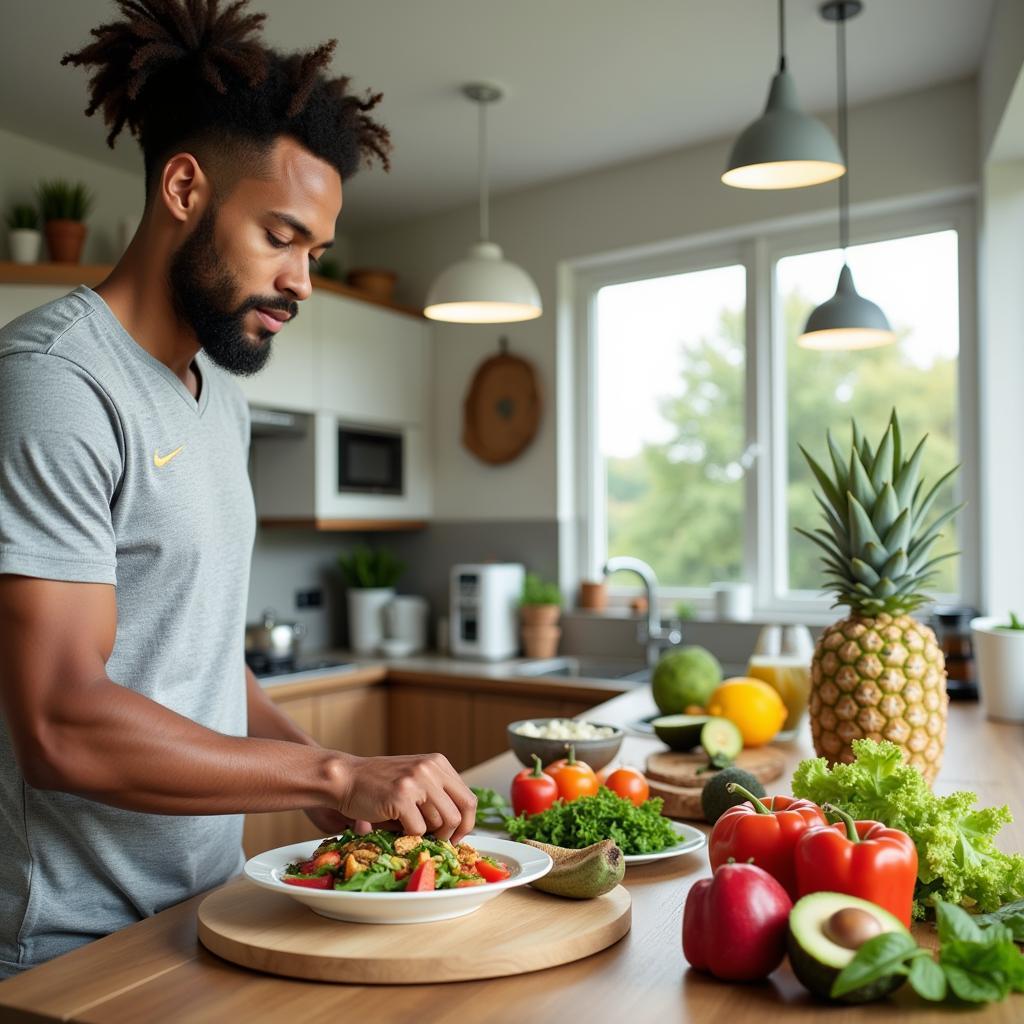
784,147
847,320
483,288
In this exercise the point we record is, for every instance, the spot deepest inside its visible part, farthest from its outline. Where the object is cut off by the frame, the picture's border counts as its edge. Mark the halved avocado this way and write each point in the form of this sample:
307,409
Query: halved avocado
680,732
721,738
817,959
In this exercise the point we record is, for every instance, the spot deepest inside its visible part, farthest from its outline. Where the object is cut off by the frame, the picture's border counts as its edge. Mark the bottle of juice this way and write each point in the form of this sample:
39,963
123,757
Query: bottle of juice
782,659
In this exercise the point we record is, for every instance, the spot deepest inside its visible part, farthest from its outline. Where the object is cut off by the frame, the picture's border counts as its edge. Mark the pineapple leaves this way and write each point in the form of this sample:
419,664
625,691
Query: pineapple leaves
823,481
838,464
881,468
897,442
925,506
886,509
860,482
864,541
906,476
898,535
863,572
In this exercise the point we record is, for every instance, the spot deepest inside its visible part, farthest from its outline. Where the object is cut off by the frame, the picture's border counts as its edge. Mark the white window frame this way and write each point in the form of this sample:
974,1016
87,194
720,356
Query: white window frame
759,248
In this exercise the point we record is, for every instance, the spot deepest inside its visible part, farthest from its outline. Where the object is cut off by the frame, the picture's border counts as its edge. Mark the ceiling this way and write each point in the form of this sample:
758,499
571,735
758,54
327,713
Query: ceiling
588,83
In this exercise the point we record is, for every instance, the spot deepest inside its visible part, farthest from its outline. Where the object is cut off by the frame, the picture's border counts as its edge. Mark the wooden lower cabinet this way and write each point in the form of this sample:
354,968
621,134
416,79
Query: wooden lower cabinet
350,720
423,720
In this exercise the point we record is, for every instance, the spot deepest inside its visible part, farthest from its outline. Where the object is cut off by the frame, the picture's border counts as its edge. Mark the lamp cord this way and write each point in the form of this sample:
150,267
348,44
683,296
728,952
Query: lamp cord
844,179
782,35
484,216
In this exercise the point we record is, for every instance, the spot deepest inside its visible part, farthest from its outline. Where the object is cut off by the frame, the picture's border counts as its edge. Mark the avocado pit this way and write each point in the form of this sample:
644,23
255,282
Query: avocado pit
851,927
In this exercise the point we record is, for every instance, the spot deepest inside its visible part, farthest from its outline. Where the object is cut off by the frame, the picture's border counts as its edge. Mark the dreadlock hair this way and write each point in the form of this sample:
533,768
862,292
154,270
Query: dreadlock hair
194,74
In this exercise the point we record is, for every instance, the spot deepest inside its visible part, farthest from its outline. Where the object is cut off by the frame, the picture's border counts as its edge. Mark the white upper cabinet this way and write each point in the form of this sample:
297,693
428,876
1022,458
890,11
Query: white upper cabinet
373,362
288,381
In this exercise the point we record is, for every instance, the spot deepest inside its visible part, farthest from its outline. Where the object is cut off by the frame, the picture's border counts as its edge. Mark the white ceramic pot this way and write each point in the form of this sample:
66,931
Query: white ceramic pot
366,617
25,244
1000,661
405,619
734,602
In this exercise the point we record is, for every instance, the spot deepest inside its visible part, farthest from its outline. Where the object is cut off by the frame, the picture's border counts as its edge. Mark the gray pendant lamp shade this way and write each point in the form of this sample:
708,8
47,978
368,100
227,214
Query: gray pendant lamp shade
784,147
848,320
484,287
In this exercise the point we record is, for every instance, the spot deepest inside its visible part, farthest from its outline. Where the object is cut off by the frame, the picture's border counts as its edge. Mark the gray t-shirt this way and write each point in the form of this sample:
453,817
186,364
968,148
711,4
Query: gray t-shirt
111,472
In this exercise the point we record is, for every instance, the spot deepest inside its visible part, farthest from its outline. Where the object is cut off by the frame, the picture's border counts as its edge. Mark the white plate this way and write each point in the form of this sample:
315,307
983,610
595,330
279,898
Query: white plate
526,863
690,840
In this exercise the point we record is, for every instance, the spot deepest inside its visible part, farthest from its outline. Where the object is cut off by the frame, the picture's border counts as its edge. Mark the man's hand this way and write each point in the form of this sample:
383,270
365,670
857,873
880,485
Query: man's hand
331,823
415,792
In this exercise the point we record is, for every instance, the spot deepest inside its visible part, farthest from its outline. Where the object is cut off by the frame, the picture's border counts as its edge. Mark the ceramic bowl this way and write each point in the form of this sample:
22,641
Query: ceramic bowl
596,753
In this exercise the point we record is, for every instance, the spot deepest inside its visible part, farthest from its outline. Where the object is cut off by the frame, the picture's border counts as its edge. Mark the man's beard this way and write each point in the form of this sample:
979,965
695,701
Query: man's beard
204,292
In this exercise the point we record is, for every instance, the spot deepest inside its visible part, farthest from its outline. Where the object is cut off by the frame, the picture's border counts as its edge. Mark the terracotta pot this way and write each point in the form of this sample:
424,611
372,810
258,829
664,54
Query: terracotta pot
539,614
64,239
594,596
541,641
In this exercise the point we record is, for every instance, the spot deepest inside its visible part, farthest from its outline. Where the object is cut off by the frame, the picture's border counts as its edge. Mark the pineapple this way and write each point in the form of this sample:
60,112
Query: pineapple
878,673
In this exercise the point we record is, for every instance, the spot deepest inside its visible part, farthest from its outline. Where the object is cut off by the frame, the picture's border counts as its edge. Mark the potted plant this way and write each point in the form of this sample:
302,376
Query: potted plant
371,576
64,207
24,235
539,611
999,649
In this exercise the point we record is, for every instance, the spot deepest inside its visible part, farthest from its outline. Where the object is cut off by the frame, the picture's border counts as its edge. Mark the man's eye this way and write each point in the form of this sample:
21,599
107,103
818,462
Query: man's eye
314,262
275,241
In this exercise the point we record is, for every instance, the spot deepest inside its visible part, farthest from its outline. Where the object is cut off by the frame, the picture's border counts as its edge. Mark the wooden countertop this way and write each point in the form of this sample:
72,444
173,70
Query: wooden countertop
156,971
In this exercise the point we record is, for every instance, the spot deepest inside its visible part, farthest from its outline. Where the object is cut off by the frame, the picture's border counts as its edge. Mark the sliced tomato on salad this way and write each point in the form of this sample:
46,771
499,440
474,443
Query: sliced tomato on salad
316,882
491,871
422,879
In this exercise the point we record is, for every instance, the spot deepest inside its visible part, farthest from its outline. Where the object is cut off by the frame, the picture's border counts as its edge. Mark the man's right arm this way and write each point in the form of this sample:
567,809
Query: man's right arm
76,730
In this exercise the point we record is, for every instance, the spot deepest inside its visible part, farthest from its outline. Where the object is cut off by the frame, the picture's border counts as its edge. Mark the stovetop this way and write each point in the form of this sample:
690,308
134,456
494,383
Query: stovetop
268,669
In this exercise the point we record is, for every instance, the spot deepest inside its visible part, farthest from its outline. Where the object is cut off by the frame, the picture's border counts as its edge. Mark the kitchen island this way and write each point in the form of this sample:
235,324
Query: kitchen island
157,971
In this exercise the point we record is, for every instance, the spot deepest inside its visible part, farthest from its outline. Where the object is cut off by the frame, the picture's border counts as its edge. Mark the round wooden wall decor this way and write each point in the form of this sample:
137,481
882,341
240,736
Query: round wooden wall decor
502,409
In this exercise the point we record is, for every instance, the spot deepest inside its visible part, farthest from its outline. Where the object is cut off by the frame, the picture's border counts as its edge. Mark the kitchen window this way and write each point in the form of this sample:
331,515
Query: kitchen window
697,397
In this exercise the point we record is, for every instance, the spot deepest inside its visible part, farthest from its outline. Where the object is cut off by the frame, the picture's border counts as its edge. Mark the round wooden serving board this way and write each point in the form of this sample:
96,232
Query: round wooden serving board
519,931
672,775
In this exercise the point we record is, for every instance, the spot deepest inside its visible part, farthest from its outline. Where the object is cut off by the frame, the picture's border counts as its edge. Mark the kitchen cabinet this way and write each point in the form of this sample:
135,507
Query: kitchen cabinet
492,713
427,721
373,363
289,380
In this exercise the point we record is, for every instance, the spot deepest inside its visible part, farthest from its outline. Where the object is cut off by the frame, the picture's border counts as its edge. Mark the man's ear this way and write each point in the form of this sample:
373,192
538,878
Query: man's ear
185,189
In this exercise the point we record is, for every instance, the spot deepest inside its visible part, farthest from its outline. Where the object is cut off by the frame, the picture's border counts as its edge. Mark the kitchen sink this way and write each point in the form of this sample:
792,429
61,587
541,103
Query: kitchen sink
569,666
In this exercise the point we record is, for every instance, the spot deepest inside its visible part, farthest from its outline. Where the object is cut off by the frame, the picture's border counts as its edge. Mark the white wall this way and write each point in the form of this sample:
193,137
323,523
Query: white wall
904,146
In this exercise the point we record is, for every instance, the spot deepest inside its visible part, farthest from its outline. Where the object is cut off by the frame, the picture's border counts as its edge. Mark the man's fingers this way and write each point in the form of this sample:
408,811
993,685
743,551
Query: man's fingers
464,800
412,821
450,815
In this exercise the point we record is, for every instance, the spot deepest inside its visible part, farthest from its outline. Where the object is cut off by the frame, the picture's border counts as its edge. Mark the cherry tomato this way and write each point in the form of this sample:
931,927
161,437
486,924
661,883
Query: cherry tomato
491,872
630,784
532,790
318,882
573,778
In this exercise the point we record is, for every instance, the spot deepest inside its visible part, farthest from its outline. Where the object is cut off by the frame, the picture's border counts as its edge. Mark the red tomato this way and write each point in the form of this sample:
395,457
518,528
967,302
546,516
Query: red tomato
573,778
319,882
331,859
532,790
422,879
491,872
465,883
630,784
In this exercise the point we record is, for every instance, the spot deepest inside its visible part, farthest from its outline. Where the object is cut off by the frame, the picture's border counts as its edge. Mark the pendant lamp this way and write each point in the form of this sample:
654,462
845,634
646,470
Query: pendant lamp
784,147
847,320
484,287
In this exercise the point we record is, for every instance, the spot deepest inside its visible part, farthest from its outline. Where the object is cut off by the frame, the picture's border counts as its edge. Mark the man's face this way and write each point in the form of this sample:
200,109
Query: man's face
239,276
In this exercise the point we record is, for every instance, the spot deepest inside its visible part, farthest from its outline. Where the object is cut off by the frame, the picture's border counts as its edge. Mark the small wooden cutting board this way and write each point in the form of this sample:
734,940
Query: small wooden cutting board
672,775
679,769
519,931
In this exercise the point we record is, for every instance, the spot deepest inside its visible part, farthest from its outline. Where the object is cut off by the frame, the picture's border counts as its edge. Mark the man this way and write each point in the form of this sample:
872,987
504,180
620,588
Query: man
133,735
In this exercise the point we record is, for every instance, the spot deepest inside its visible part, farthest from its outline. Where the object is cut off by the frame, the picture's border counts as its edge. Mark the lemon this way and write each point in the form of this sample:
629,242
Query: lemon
752,706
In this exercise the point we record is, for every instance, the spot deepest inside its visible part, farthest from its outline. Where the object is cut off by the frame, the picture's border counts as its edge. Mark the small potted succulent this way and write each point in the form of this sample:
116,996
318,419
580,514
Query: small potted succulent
23,235
539,610
371,576
998,644
64,207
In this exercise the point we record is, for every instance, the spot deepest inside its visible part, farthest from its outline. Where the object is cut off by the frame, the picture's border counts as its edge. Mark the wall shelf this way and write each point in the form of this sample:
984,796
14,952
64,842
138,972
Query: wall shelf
345,525
91,274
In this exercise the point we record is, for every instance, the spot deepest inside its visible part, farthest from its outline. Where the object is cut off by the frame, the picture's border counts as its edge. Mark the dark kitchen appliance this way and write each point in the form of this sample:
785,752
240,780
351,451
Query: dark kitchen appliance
266,667
952,625
370,461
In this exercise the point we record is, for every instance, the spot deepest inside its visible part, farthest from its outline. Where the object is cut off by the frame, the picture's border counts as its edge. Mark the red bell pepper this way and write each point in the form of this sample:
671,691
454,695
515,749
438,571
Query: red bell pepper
859,858
735,923
766,835
422,879
532,790
316,882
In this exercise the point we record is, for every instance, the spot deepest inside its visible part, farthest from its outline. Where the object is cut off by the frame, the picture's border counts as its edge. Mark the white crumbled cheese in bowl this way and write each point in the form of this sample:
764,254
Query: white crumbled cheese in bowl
565,729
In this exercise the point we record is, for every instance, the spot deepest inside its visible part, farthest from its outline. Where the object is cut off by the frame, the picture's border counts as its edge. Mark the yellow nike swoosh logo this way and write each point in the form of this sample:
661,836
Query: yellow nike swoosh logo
161,460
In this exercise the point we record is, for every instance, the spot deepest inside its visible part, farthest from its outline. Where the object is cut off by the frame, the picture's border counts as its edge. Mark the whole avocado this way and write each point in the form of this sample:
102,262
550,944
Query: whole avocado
685,676
715,800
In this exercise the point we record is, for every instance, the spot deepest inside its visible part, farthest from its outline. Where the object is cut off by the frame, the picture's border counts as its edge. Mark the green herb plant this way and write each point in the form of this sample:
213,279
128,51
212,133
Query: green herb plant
537,591
978,962
1015,623
23,217
958,862
369,568
491,808
62,200
589,819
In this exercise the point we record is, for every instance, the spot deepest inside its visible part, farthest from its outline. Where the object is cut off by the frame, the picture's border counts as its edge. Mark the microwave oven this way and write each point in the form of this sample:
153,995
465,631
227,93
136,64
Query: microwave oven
370,460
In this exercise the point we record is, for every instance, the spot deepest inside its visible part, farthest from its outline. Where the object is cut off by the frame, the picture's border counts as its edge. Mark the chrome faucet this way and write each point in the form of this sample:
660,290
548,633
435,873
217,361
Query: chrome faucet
650,634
